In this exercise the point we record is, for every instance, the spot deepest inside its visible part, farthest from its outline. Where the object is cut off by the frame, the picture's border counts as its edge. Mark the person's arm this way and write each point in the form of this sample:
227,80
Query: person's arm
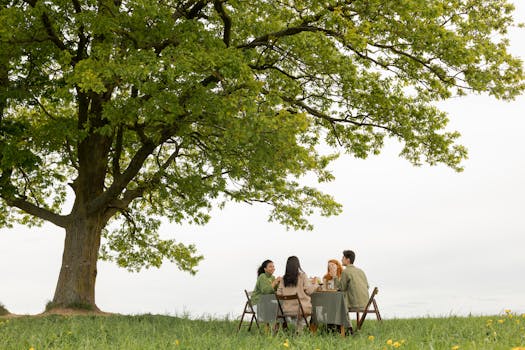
309,287
280,287
344,282
275,283
265,284
337,283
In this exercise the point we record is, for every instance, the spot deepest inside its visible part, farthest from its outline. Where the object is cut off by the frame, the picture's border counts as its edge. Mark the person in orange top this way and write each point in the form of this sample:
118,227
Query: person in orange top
332,279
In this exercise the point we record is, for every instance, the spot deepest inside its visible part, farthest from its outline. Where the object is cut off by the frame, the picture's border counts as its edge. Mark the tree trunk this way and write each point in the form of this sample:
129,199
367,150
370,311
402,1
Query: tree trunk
76,282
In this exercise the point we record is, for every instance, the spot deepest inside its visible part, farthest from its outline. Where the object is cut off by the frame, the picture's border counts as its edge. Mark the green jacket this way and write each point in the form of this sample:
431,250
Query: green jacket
263,286
355,286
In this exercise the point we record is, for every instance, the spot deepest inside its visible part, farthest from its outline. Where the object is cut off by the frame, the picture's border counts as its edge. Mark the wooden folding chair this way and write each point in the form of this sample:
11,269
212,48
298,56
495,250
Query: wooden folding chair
281,315
248,310
366,310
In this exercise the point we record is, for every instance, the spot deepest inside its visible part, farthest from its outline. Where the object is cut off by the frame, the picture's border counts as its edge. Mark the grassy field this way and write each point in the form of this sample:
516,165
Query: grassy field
164,332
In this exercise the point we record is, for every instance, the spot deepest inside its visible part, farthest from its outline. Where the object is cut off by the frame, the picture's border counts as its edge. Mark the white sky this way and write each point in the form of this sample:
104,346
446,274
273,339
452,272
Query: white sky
434,241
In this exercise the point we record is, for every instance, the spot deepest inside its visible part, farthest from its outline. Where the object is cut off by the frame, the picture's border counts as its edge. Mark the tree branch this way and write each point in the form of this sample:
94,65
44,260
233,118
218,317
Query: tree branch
271,66
118,152
82,43
122,181
219,7
304,26
263,40
129,195
135,165
39,212
49,28
188,11
332,120
414,58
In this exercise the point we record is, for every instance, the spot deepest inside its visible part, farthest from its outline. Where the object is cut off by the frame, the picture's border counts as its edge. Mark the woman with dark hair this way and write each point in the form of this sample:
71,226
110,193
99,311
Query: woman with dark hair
266,282
296,281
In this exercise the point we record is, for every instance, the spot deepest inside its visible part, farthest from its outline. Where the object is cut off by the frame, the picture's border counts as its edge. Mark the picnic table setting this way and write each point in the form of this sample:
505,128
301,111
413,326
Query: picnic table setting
316,303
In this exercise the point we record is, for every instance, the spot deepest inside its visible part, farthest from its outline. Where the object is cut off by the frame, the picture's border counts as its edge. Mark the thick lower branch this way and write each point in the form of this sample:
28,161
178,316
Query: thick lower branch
39,212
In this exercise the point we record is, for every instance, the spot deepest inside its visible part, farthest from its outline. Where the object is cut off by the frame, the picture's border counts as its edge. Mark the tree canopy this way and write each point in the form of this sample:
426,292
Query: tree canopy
142,110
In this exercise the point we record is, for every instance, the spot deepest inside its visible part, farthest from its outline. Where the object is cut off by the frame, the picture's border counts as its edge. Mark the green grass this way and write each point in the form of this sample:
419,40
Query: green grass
165,332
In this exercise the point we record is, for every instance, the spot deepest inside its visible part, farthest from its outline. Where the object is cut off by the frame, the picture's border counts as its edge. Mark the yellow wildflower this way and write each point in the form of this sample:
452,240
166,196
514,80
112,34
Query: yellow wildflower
455,347
501,321
389,342
177,342
371,337
286,344
519,348
31,348
507,311
396,344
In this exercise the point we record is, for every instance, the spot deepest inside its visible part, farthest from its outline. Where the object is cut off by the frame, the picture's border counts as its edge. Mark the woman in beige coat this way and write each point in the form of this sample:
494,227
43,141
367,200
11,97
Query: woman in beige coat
296,281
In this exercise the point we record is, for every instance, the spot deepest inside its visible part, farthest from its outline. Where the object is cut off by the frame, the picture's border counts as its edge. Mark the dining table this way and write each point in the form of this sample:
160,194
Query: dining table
267,308
329,308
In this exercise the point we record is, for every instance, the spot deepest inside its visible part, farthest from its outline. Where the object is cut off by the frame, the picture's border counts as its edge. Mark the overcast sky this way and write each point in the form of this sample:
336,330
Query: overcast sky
434,241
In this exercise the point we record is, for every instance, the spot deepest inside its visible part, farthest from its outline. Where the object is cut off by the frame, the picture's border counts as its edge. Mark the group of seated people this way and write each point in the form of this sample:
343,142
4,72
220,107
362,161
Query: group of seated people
352,281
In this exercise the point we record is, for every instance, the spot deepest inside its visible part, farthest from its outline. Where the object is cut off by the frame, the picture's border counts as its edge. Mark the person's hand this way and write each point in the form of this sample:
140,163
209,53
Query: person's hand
332,270
276,281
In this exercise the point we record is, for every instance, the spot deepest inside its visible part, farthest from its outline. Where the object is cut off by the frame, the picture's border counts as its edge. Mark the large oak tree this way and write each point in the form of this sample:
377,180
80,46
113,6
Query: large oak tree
139,109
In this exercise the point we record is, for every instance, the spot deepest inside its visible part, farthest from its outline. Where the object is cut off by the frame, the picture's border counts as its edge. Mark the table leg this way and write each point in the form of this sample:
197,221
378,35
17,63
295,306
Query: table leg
342,330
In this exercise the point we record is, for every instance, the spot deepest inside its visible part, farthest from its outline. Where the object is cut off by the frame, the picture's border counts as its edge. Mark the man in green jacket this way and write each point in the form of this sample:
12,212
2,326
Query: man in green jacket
353,282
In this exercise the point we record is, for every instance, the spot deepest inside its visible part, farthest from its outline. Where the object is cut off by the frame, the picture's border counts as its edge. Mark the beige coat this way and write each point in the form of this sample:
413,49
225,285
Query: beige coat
303,289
